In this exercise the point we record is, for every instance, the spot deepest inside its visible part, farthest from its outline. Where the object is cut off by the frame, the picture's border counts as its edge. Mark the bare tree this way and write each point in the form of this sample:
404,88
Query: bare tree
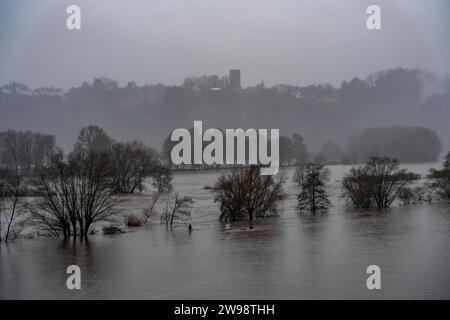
313,196
423,193
358,187
245,193
92,139
131,164
73,195
447,161
162,177
441,179
177,209
379,182
150,210
23,153
406,196
10,203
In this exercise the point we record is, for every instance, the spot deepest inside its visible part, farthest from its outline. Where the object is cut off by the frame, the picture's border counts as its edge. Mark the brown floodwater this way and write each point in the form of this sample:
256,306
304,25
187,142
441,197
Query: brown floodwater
293,256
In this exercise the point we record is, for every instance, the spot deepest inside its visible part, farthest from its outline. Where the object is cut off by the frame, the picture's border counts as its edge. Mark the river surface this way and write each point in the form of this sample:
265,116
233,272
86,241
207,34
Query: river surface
293,256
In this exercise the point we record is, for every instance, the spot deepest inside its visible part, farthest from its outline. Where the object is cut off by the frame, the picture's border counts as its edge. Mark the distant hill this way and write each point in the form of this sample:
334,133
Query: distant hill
398,97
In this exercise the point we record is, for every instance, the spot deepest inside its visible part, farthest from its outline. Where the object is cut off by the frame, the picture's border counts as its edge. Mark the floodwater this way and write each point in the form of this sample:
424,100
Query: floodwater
293,256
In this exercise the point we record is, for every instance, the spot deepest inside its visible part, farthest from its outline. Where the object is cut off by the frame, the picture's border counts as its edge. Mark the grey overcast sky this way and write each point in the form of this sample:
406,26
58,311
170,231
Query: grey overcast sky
163,41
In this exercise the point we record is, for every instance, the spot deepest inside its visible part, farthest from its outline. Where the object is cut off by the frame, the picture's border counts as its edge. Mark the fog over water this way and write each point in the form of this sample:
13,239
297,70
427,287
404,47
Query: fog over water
139,69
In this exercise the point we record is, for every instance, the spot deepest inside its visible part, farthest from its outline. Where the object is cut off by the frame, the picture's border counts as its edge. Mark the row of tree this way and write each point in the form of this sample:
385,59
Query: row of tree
245,194
75,191
24,152
292,151
406,144
393,97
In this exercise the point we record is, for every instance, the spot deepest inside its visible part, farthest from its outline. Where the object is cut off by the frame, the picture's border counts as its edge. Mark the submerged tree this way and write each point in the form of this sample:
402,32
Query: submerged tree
245,193
406,196
378,183
177,209
441,182
11,190
131,164
161,178
73,195
358,187
441,179
313,196
150,210
447,161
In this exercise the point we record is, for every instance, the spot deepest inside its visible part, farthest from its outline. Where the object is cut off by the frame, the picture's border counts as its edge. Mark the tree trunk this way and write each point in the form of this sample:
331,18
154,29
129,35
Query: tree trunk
84,229
11,218
74,227
250,219
313,200
171,220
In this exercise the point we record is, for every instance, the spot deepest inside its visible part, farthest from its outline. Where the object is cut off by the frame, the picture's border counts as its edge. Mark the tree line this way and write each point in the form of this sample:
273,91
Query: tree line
292,151
24,152
244,194
74,191
387,98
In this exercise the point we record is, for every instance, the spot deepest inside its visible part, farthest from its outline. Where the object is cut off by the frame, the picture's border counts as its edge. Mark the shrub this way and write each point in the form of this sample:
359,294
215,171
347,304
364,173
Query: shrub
440,182
112,229
134,221
378,183
406,196
245,193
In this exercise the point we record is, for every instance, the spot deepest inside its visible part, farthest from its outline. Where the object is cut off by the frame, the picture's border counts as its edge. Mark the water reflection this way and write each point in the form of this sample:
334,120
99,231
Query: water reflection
288,257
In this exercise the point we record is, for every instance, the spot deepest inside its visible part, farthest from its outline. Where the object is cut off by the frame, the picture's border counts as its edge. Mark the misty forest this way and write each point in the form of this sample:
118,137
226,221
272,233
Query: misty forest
319,113
361,165
55,185
215,150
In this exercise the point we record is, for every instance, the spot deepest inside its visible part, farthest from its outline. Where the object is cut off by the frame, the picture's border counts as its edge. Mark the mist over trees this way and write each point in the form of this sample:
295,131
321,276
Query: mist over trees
93,139
24,152
129,163
330,152
398,97
407,144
